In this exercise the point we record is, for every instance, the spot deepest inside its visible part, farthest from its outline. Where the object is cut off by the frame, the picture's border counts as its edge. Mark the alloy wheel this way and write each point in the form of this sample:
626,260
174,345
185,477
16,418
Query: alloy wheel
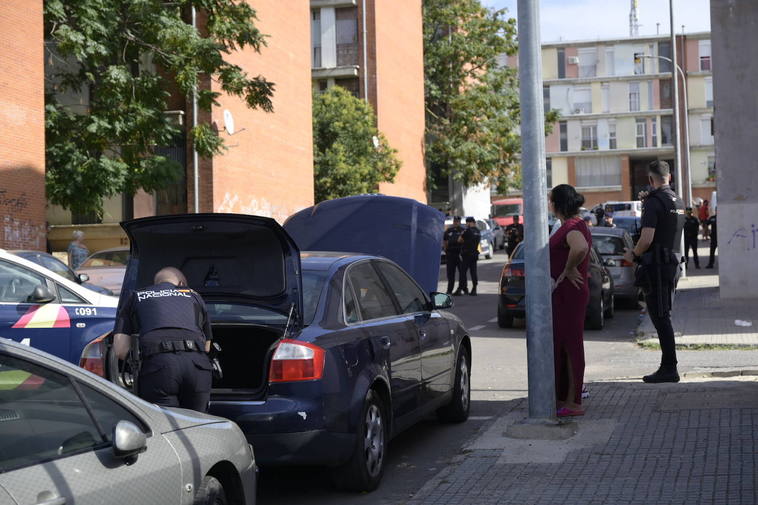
373,443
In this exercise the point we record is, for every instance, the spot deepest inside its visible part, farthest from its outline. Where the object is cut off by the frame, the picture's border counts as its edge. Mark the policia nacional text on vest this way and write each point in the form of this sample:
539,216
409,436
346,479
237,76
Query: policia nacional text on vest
173,326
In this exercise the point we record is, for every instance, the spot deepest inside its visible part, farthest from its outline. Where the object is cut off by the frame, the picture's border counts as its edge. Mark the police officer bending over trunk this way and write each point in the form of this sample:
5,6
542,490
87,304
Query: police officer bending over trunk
174,339
657,255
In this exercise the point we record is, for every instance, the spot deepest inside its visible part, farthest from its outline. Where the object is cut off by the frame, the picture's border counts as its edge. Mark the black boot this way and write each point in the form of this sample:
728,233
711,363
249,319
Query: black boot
473,291
460,291
665,373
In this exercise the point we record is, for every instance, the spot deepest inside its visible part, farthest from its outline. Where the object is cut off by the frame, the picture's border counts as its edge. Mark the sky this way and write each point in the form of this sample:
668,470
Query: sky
599,19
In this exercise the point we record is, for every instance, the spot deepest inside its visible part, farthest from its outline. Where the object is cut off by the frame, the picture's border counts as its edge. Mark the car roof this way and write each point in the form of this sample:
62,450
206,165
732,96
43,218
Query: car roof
605,230
324,260
112,249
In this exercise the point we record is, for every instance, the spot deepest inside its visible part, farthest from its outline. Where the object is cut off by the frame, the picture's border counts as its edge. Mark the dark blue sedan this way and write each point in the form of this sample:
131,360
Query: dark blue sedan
326,356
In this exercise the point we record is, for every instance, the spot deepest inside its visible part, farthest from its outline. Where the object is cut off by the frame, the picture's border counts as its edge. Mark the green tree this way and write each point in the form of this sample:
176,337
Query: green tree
350,155
100,50
472,103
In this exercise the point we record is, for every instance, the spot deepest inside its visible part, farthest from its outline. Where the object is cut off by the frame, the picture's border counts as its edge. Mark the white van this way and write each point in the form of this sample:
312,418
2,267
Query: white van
632,208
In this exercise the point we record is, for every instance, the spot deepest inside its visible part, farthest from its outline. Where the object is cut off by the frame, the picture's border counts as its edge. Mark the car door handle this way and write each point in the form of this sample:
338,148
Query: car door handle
422,334
385,342
48,498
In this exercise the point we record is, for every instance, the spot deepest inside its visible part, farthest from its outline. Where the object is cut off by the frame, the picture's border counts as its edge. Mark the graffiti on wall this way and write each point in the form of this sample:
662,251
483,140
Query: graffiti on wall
256,206
10,203
744,238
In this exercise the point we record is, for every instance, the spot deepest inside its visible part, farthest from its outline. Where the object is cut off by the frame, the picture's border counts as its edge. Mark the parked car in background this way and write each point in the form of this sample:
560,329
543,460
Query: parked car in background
71,437
632,225
504,210
610,244
106,268
498,234
42,309
631,208
326,355
512,298
55,265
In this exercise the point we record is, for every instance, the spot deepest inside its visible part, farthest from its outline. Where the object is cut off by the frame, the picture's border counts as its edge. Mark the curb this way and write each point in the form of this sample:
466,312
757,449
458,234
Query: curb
722,373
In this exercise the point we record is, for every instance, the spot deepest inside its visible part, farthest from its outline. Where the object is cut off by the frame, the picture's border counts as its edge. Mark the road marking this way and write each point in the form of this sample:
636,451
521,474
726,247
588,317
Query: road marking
477,327
479,418
493,320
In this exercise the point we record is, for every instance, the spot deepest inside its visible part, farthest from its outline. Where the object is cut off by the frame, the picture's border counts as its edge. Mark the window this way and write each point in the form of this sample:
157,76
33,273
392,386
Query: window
706,133
608,245
640,125
587,62
665,92
561,63
664,49
347,36
316,38
313,285
634,96
639,63
704,50
709,91
410,298
667,130
107,259
605,96
612,135
563,129
323,86
351,85
650,104
711,168
654,132
43,417
582,101
589,137
546,98
610,62
351,306
17,283
549,172
373,300
68,296
107,412
598,171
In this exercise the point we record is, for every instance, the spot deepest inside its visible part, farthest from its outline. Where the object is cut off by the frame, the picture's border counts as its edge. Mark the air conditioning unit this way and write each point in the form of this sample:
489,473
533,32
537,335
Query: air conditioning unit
573,60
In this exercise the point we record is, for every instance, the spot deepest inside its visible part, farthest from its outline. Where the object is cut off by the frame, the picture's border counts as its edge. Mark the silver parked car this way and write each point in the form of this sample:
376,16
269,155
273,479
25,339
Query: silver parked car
610,244
68,436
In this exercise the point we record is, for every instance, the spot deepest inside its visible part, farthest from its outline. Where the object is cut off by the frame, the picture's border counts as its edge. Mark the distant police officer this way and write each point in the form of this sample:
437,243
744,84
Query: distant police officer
174,339
469,241
452,251
713,231
691,228
514,234
658,257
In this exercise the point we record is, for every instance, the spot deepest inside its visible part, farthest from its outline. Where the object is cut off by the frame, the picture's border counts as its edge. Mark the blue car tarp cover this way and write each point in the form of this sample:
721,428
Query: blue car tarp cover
401,229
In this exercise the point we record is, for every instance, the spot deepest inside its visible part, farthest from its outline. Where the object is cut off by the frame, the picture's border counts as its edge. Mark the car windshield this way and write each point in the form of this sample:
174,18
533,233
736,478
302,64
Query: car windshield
518,254
507,210
58,267
615,207
630,225
107,259
608,245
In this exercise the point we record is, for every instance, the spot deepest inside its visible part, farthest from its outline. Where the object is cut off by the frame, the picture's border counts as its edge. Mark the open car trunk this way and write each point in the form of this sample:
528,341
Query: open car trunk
245,356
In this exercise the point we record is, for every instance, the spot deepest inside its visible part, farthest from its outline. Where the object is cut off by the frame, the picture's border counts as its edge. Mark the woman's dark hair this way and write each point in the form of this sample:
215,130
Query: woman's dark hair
566,200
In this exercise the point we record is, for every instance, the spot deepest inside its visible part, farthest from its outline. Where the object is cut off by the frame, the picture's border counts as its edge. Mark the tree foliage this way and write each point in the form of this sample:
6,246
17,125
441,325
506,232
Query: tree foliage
99,49
350,155
472,102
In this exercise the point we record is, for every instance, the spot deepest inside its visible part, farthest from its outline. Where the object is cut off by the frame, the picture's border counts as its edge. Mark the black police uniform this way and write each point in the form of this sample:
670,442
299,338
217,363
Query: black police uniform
452,254
663,211
173,326
515,234
691,228
713,230
469,256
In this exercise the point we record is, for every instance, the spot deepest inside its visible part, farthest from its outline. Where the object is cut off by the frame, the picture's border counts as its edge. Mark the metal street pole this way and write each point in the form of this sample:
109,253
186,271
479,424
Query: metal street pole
539,320
677,126
195,157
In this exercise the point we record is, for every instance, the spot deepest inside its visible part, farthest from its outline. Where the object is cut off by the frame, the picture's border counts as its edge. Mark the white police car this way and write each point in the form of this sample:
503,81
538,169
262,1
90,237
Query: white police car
41,309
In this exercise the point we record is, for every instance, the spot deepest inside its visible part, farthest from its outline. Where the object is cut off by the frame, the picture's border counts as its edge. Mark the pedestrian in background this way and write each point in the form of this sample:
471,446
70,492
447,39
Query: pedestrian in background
703,215
514,234
469,241
77,251
452,251
569,262
658,256
714,239
691,227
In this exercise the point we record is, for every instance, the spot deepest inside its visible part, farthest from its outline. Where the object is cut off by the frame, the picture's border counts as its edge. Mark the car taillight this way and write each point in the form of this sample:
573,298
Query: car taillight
93,356
626,263
296,361
511,272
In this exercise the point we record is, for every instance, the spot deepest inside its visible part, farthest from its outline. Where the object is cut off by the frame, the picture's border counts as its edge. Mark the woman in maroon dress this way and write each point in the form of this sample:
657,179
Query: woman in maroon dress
569,261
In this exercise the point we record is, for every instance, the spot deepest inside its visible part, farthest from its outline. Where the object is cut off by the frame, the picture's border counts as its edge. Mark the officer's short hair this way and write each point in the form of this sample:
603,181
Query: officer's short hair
659,168
172,275
470,220
457,218
688,209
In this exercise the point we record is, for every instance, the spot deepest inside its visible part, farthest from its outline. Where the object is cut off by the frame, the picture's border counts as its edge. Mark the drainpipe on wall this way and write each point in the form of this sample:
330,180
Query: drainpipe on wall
365,53
195,168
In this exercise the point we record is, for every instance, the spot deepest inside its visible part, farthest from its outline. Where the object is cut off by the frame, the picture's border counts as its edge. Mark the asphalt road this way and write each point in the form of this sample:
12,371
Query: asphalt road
499,375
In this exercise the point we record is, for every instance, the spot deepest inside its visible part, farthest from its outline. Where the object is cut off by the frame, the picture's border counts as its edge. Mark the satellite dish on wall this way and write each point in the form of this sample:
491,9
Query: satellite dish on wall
228,122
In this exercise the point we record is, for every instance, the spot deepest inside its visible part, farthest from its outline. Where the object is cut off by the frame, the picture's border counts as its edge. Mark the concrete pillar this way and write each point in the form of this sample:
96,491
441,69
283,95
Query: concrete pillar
734,43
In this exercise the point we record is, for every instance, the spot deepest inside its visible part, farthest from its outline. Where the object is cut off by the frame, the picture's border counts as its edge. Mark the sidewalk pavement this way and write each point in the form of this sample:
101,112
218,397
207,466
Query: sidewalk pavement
703,320
638,444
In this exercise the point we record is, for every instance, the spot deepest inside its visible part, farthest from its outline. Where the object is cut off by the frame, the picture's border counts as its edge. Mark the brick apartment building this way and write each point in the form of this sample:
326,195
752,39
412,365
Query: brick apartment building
615,99
22,126
382,61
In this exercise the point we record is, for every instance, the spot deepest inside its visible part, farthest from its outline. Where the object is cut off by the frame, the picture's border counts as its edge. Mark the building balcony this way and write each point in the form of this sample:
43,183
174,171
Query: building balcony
335,72
614,115
631,152
607,78
317,4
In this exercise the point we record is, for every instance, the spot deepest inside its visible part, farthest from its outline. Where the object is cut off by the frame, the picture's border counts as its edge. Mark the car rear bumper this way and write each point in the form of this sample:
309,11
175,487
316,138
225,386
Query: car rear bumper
315,447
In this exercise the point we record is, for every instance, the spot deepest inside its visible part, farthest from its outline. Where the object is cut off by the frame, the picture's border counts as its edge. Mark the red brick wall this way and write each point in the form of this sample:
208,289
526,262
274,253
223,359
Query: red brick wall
22,127
268,169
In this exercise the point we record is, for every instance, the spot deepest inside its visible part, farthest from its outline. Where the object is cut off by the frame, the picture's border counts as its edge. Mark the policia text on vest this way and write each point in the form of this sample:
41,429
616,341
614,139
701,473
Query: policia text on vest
174,338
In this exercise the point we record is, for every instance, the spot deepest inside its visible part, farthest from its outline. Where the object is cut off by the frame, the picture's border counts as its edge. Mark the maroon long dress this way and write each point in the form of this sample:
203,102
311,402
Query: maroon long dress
569,309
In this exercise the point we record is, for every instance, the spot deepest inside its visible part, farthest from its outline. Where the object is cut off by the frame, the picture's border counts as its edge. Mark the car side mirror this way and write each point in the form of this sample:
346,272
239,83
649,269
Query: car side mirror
442,301
128,441
41,294
83,277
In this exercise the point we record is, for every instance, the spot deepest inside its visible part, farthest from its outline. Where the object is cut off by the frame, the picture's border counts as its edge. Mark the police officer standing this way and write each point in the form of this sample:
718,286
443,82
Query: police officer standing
514,234
452,251
657,255
691,228
469,241
174,339
713,231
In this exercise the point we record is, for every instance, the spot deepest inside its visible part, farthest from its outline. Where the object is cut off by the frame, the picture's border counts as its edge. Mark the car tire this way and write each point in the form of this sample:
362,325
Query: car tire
596,319
364,470
458,409
210,492
504,320
610,311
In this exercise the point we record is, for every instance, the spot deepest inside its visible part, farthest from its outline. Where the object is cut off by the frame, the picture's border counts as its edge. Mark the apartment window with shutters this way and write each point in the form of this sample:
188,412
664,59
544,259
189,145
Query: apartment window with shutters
346,29
587,62
582,101
711,168
549,172
589,137
610,62
561,63
605,96
640,126
650,104
598,171
612,135
654,132
709,91
705,131
665,92
639,63
634,96
704,50
666,130
664,49
316,38
546,98
563,130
